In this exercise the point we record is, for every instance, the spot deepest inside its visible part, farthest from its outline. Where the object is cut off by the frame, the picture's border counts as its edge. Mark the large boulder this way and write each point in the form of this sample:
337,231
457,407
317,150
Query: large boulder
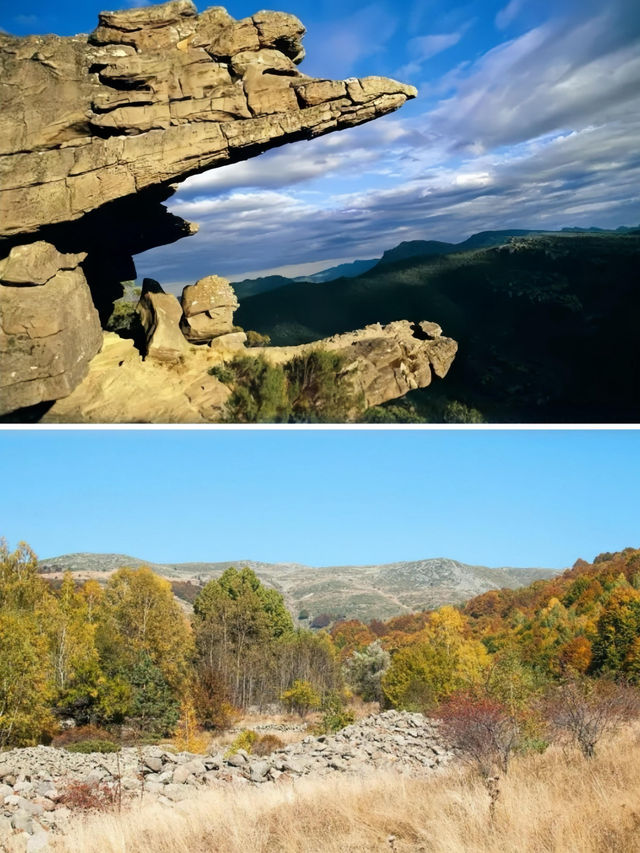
49,328
160,314
208,307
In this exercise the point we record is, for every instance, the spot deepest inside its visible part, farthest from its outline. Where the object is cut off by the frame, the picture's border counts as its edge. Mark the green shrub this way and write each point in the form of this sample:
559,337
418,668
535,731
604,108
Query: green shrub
245,740
308,389
300,698
87,746
318,391
255,339
335,716
394,414
223,373
457,413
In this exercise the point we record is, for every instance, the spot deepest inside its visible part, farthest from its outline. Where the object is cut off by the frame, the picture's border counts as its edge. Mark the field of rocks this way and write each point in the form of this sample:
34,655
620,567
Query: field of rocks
42,788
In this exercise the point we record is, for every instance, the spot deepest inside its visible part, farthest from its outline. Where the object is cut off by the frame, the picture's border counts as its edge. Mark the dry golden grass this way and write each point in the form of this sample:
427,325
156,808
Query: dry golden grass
552,803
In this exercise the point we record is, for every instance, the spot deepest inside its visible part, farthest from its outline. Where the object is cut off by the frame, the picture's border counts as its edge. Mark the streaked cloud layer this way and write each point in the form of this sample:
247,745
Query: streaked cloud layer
528,116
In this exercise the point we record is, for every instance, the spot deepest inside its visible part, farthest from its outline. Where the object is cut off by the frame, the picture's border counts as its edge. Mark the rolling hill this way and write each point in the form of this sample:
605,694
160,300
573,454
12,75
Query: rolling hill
363,592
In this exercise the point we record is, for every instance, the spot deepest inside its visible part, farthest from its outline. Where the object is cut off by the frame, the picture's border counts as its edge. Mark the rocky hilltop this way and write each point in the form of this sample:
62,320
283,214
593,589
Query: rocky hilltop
96,133
33,781
363,592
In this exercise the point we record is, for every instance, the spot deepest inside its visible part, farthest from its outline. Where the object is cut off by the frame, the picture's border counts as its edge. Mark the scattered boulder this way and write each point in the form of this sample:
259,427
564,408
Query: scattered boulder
160,315
208,307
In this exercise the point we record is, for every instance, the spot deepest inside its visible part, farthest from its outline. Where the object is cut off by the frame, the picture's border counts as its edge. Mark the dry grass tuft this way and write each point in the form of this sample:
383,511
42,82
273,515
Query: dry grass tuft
553,803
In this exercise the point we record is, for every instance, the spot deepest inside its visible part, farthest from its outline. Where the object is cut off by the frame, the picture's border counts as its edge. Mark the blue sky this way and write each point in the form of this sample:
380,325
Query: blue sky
528,116
329,497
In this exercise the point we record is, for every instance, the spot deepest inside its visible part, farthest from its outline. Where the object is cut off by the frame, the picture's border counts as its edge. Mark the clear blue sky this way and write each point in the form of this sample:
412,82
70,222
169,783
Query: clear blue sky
330,497
528,116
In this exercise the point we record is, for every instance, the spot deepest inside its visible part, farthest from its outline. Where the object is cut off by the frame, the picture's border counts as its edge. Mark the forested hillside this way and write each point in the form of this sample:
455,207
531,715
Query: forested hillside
544,324
125,657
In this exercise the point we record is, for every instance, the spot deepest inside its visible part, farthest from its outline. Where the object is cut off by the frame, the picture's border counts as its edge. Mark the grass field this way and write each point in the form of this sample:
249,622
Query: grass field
556,802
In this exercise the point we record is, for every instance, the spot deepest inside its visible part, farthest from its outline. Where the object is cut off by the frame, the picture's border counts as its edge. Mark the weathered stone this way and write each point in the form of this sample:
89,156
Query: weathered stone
22,821
38,842
160,314
122,388
153,762
48,335
233,342
208,307
36,263
97,131
258,771
382,362
175,793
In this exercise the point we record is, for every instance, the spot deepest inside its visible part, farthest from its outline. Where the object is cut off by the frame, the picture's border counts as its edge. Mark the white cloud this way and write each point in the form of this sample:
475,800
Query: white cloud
539,132
508,14
335,49
427,46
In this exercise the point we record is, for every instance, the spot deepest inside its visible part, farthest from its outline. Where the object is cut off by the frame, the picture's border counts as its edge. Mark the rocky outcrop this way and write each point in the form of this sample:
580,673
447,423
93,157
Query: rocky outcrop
97,130
33,781
381,362
384,362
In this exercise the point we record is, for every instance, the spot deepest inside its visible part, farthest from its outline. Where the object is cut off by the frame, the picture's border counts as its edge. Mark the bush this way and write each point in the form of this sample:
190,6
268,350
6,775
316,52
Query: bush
223,373
308,389
80,734
300,698
89,797
259,394
245,740
318,391
255,339
482,731
457,413
266,744
87,746
586,710
398,413
335,716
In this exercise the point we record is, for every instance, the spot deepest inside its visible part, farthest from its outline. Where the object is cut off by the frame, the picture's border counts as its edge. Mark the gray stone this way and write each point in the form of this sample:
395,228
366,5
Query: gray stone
154,763
38,842
22,821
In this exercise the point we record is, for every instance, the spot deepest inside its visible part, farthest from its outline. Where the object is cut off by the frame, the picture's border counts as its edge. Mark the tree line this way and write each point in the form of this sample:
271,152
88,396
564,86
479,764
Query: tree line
127,655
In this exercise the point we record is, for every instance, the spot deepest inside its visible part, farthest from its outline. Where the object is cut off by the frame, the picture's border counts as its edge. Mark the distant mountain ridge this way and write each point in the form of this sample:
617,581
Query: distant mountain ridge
362,592
263,284
409,249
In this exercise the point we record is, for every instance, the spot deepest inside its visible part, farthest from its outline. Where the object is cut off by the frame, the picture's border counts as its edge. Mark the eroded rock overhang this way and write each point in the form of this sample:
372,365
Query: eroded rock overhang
96,133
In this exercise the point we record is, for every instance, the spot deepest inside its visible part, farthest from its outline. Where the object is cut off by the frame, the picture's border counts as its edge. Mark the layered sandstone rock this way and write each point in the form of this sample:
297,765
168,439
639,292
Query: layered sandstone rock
384,362
49,328
381,362
208,307
97,130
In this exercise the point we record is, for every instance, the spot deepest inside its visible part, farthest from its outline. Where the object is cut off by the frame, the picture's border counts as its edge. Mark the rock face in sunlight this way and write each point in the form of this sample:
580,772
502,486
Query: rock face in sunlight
96,131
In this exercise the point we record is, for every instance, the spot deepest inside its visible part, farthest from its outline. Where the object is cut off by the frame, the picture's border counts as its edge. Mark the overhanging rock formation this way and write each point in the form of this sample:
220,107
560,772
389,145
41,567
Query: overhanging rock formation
95,133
